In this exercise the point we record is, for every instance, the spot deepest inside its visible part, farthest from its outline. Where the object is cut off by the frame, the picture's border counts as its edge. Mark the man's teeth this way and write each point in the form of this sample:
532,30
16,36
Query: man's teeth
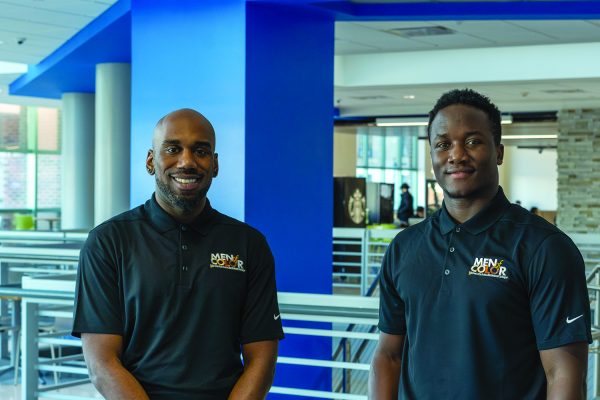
182,180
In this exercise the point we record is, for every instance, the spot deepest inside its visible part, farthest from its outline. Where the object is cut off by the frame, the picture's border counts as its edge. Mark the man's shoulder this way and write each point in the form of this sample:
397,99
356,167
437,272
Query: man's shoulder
119,222
231,224
407,236
519,218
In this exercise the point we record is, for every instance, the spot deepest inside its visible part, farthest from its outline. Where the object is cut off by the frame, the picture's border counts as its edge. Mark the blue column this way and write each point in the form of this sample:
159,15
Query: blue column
289,160
263,75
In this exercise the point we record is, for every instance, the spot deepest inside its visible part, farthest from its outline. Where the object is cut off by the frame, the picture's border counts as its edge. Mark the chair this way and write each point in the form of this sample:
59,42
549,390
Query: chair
23,222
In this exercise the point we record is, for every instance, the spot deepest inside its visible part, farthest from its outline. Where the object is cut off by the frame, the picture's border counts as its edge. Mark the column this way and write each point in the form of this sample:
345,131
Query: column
263,75
77,204
112,151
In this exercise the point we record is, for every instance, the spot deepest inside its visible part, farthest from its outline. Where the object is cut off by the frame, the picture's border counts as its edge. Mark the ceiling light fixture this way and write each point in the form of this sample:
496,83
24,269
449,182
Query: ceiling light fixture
511,137
12,67
401,121
506,119
409,97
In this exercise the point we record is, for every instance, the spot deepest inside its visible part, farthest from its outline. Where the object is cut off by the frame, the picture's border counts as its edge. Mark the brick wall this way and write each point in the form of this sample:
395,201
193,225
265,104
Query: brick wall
578,152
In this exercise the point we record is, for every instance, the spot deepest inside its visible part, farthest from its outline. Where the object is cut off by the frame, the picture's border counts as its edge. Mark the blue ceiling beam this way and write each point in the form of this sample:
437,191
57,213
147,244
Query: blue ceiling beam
462,11
72,67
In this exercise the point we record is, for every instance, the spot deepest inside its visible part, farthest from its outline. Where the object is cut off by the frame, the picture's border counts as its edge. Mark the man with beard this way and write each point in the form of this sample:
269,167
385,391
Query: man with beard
171,293
483,300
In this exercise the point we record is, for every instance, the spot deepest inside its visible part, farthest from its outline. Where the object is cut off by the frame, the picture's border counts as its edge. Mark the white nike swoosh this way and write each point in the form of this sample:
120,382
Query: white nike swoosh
276,317
571,320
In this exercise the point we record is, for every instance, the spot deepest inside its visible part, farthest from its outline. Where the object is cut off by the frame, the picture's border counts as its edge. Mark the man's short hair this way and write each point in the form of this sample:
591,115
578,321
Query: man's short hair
471,98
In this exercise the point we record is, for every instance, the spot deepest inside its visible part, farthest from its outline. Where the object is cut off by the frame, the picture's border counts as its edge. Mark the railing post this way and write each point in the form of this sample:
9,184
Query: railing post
364,263
30,353
347,372
3,309
596,322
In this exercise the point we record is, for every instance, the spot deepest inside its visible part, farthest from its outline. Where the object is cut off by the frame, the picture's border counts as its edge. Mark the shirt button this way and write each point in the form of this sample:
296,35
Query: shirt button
184,268
183,228
451,249
446,272
458,229
184,247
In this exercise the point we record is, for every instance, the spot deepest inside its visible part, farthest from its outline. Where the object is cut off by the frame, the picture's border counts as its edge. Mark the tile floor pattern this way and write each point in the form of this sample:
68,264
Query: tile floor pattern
8,391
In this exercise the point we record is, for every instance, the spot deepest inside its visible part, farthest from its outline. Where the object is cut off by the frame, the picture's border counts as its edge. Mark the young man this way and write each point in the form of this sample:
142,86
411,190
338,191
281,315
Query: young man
483,300
169,293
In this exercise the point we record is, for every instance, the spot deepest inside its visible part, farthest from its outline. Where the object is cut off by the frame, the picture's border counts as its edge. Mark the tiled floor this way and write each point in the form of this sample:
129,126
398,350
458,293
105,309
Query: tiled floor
11,392
8,391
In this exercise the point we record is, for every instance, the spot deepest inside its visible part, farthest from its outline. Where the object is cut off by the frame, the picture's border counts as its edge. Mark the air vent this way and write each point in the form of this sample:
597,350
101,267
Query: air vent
421,31
563,91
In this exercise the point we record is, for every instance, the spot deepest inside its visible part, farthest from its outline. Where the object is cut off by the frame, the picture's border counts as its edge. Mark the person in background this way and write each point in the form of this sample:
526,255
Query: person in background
534,210
405,211
173,294
420,212
482,300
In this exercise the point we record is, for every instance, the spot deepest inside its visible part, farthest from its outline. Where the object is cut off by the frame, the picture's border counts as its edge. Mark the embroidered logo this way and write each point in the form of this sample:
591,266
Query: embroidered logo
226,261
488,267
570,320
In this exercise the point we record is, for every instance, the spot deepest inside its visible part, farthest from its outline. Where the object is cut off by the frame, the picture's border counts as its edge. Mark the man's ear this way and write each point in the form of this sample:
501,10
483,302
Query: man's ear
216,167
150,162
500,154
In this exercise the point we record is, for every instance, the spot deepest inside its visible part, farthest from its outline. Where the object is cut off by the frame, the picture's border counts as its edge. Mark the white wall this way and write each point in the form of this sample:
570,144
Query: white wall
344,152
530,176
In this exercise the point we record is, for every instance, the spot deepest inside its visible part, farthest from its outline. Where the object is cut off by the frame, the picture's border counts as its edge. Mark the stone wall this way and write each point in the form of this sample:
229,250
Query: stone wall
578,152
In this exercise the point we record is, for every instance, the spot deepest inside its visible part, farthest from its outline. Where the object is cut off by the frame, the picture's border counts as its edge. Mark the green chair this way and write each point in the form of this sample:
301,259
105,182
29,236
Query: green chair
23,222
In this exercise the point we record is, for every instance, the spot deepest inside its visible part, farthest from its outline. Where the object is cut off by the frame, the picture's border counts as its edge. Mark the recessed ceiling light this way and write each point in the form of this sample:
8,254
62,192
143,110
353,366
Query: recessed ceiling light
12,67
409,97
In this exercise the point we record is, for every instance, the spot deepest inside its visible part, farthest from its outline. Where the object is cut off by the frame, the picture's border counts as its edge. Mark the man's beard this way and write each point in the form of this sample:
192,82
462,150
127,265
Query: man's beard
185,204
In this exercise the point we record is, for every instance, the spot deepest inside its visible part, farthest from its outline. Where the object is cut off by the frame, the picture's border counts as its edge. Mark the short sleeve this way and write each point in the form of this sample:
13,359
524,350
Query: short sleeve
97,300
391,307
261,319
559,301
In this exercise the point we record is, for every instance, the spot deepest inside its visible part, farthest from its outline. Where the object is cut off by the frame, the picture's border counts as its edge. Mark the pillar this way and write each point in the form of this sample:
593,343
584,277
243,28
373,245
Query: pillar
113,127
77,185
263,75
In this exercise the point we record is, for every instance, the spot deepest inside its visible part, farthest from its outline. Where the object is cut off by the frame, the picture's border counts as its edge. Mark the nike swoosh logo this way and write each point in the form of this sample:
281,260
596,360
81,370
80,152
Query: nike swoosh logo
276,317
571,320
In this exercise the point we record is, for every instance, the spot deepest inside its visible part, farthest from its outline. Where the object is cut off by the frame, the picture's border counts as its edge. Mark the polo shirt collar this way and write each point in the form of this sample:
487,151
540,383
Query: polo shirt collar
481,221
164,222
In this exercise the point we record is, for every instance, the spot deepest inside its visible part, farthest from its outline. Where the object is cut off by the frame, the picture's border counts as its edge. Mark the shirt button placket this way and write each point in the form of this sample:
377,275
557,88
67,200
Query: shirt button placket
184,274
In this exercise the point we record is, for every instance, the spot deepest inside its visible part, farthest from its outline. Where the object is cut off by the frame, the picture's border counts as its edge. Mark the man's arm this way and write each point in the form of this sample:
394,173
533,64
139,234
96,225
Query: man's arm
384,377
102,355
259,369
566,370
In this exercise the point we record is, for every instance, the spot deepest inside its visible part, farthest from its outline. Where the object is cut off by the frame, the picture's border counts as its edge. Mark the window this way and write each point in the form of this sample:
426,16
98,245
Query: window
30,161
389,155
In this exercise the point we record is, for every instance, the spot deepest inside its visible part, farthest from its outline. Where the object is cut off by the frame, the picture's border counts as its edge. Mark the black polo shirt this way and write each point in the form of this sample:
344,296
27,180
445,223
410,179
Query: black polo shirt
478,300
184,297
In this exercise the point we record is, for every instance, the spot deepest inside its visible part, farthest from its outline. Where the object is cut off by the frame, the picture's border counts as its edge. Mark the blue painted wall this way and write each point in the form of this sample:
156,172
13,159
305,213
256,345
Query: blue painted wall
289,160
190,53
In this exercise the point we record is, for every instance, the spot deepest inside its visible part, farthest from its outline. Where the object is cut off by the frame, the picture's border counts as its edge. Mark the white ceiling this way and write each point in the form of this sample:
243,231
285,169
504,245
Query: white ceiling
30,30
375,37
46,24
354,38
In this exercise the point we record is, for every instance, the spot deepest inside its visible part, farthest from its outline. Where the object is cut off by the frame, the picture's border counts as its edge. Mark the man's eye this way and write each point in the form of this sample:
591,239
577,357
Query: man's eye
171,150
472,142
203,152
442,145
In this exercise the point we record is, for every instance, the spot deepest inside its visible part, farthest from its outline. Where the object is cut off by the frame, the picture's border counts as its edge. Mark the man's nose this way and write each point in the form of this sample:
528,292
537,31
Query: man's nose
457,153
186,159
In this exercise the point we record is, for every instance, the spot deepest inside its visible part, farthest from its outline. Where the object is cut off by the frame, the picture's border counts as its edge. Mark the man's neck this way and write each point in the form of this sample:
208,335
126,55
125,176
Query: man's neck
180,215
462,209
